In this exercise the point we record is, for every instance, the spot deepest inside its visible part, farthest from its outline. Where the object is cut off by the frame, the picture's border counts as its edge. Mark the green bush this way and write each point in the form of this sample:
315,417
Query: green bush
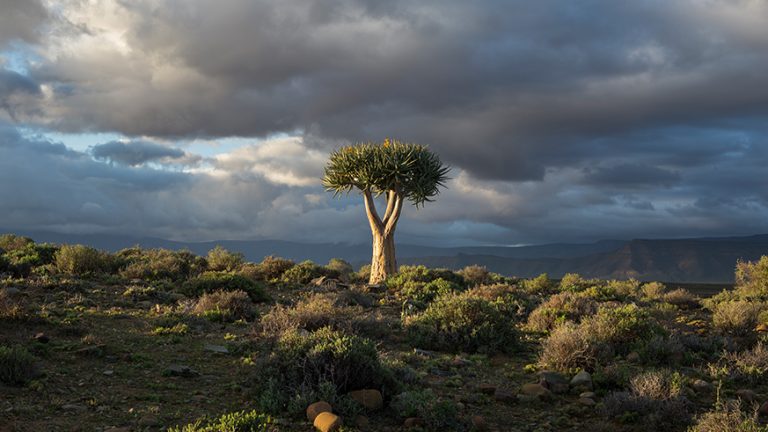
654,401
311,313
729,417
25,257
301,363
475,275
242,421
225,306
209,282
573,282
539,284
460,322
339,266
82,260
220,259
566,306
751,278
437,415
12,242
737,317
159,264
427,291
303,273
653,290
17,365
749,366
272,268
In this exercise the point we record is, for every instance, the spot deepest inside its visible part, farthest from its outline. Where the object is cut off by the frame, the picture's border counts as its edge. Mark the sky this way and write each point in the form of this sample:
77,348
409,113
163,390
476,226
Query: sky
561,120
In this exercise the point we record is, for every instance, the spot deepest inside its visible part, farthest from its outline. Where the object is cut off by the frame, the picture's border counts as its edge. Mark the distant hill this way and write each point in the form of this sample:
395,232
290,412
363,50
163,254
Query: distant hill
699,260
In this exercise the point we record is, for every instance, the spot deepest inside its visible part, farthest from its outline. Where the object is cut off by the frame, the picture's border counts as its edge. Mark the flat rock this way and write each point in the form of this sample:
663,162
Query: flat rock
412,422
582,381
180,371
149,421
217,349
535,390
700,386
587,401
746,395
317,408
371,399
479,423
555,382
488,389
503,395
42,338
588,395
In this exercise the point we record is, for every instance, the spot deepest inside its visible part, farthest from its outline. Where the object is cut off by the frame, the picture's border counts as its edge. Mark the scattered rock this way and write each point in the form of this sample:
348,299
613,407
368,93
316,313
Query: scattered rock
582,381
633,357
148,421
701,386
180,371
370,399
109,372
412,422
317,408
502,395
74,407
588,395
555,382
376,288
441,372
91,351
746,395
460,362
362,422
327,422
217,349
536,391
485,388
42,338
423,352
479,423
587,401
10,291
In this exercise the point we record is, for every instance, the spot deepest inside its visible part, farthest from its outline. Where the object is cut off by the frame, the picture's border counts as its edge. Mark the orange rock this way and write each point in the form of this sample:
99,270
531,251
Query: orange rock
317,408
370,399
762,328
327,422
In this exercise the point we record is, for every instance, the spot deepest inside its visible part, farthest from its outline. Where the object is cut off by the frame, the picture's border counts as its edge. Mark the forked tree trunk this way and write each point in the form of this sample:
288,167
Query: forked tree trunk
383,262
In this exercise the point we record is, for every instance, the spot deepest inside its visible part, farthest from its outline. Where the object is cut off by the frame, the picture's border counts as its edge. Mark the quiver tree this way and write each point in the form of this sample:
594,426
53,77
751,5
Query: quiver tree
399,172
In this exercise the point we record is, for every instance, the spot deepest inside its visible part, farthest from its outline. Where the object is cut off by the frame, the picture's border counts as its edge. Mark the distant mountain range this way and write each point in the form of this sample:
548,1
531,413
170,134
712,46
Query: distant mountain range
697,260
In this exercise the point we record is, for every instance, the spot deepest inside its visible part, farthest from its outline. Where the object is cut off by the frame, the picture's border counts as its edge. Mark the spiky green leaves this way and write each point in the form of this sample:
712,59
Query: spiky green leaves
411,170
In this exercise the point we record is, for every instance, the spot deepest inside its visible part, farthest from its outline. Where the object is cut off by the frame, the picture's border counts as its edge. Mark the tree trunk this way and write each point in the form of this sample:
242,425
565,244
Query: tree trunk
383,262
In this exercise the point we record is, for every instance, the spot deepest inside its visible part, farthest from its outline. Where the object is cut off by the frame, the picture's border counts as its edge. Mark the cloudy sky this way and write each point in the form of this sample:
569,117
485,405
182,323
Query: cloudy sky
562,120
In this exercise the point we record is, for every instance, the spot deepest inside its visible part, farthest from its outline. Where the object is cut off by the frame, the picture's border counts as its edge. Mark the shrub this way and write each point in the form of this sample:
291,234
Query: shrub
654,400
750,365
179,329
597,339
539,284
10,307
653,290
573,282
17,365
508,299
427,291
220,259
302,363
12,242
737,317
421,274
475,275
751,278
339,266
459,322
25,257
728,417
272,268
364,273
559,308
662,350
657,385
82,260
303,273
242,421
437,415
209,282
311,314
225,306
681,298
159,264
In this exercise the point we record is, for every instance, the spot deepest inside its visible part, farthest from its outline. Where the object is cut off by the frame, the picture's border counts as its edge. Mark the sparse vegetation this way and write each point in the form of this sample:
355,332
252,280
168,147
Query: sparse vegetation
17,365
210,282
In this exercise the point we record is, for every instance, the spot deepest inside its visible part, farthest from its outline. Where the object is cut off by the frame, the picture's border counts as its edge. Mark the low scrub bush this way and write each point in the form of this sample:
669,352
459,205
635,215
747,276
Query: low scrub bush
159,264
475,275
220,259
209,282
82,260
303,273
573,282
750,365
737,317
436,414
729,417
751,279
597,339
12,242
421,274
541,284
340,267
301,363
653,290
243,421
460,322
508,299
681,298
655,400
225,306
271,268
17,365
427,291
312,313
10,307
559,308
28,256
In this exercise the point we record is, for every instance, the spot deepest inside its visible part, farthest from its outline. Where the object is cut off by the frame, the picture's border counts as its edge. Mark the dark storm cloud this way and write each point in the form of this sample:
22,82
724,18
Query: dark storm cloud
135,152
561,119
20,20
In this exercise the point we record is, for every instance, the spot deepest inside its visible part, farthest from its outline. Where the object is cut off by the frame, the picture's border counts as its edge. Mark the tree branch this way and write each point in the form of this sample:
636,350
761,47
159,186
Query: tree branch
373,217
390,205
395,216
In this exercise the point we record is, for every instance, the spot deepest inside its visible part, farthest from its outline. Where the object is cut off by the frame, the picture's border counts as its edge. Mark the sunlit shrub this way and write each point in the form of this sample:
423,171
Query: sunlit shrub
209,282
225,306
566,306
539,284
752,278
303,273
158,264
243,421
81,260
312,313
220,259
737,317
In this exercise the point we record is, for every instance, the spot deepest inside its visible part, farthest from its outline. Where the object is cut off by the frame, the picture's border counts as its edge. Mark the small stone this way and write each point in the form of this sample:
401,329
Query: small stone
370,399
479,423
701,386
424,352
317,408
118,429
327,422
587,401
91,351
441,372
412,422
485,388
362,422
633,357
149,421
502,395
582,381
461,362
217,349
108,372
42,338
536,390
11,291
746,395
555,382
180,371
761,328
588,395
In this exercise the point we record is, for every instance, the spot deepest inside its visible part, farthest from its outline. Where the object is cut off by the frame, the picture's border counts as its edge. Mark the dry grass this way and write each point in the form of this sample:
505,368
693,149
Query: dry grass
566,306
227,305
737,316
